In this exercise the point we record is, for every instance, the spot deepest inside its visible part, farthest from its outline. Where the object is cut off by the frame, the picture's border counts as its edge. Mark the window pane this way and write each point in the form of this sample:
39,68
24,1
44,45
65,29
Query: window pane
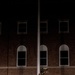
42,54
22,30
64,61
63,26
21,54
22,27
43,27
42,61
21,62
64,53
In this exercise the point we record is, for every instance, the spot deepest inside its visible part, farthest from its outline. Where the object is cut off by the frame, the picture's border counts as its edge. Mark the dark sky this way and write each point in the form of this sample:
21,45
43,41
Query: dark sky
12,8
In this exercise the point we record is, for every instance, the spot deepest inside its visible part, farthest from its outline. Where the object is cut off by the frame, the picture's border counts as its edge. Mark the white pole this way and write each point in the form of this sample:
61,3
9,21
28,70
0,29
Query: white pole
38,40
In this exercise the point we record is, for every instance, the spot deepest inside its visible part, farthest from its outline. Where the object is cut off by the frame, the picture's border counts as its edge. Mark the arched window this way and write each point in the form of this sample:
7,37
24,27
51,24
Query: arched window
64,55
43,55
21,56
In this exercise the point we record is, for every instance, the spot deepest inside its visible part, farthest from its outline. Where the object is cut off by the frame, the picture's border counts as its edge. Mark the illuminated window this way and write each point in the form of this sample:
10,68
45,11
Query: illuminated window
63,26
64,55
21,56
44,27
22,28
43,55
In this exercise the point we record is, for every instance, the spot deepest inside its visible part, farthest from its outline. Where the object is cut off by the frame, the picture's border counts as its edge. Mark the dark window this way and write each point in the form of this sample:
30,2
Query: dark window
21,62
64,57
64,61
43,58
63,26
43,61
43,54
21,54
43,27
21,58
64,54
22,28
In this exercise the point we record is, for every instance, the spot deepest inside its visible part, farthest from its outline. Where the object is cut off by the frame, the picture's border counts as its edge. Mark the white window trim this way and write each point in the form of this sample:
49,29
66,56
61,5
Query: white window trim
44,49
68,26
0,27
46,26
64,48
18,28
24,49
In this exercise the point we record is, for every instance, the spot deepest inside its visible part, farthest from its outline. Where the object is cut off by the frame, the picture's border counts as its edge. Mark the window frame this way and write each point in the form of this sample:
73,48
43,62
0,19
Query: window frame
44,48
18,27
67,27
24,50
64,48
46,26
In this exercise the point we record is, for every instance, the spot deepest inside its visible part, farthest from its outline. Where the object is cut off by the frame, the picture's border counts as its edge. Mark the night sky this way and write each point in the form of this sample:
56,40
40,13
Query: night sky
18,9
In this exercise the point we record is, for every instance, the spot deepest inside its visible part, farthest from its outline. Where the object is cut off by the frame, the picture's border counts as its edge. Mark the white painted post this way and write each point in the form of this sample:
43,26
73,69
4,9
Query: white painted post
38,40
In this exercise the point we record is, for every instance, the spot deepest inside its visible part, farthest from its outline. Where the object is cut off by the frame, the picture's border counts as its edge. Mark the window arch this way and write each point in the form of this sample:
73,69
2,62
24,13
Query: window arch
64,55
21,56
43,55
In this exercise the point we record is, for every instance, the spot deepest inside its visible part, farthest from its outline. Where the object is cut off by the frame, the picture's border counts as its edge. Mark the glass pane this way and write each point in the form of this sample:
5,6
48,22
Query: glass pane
42,61
21,62
63,26
64,53
64,62
22,27
21,54
22,30
43,27
42,54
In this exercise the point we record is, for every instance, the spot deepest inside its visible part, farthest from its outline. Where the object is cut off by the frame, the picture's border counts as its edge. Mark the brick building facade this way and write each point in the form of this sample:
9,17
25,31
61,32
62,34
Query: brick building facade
18,38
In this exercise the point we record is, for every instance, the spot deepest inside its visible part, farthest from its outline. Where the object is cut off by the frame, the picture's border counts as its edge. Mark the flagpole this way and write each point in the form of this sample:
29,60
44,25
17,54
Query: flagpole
38,40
